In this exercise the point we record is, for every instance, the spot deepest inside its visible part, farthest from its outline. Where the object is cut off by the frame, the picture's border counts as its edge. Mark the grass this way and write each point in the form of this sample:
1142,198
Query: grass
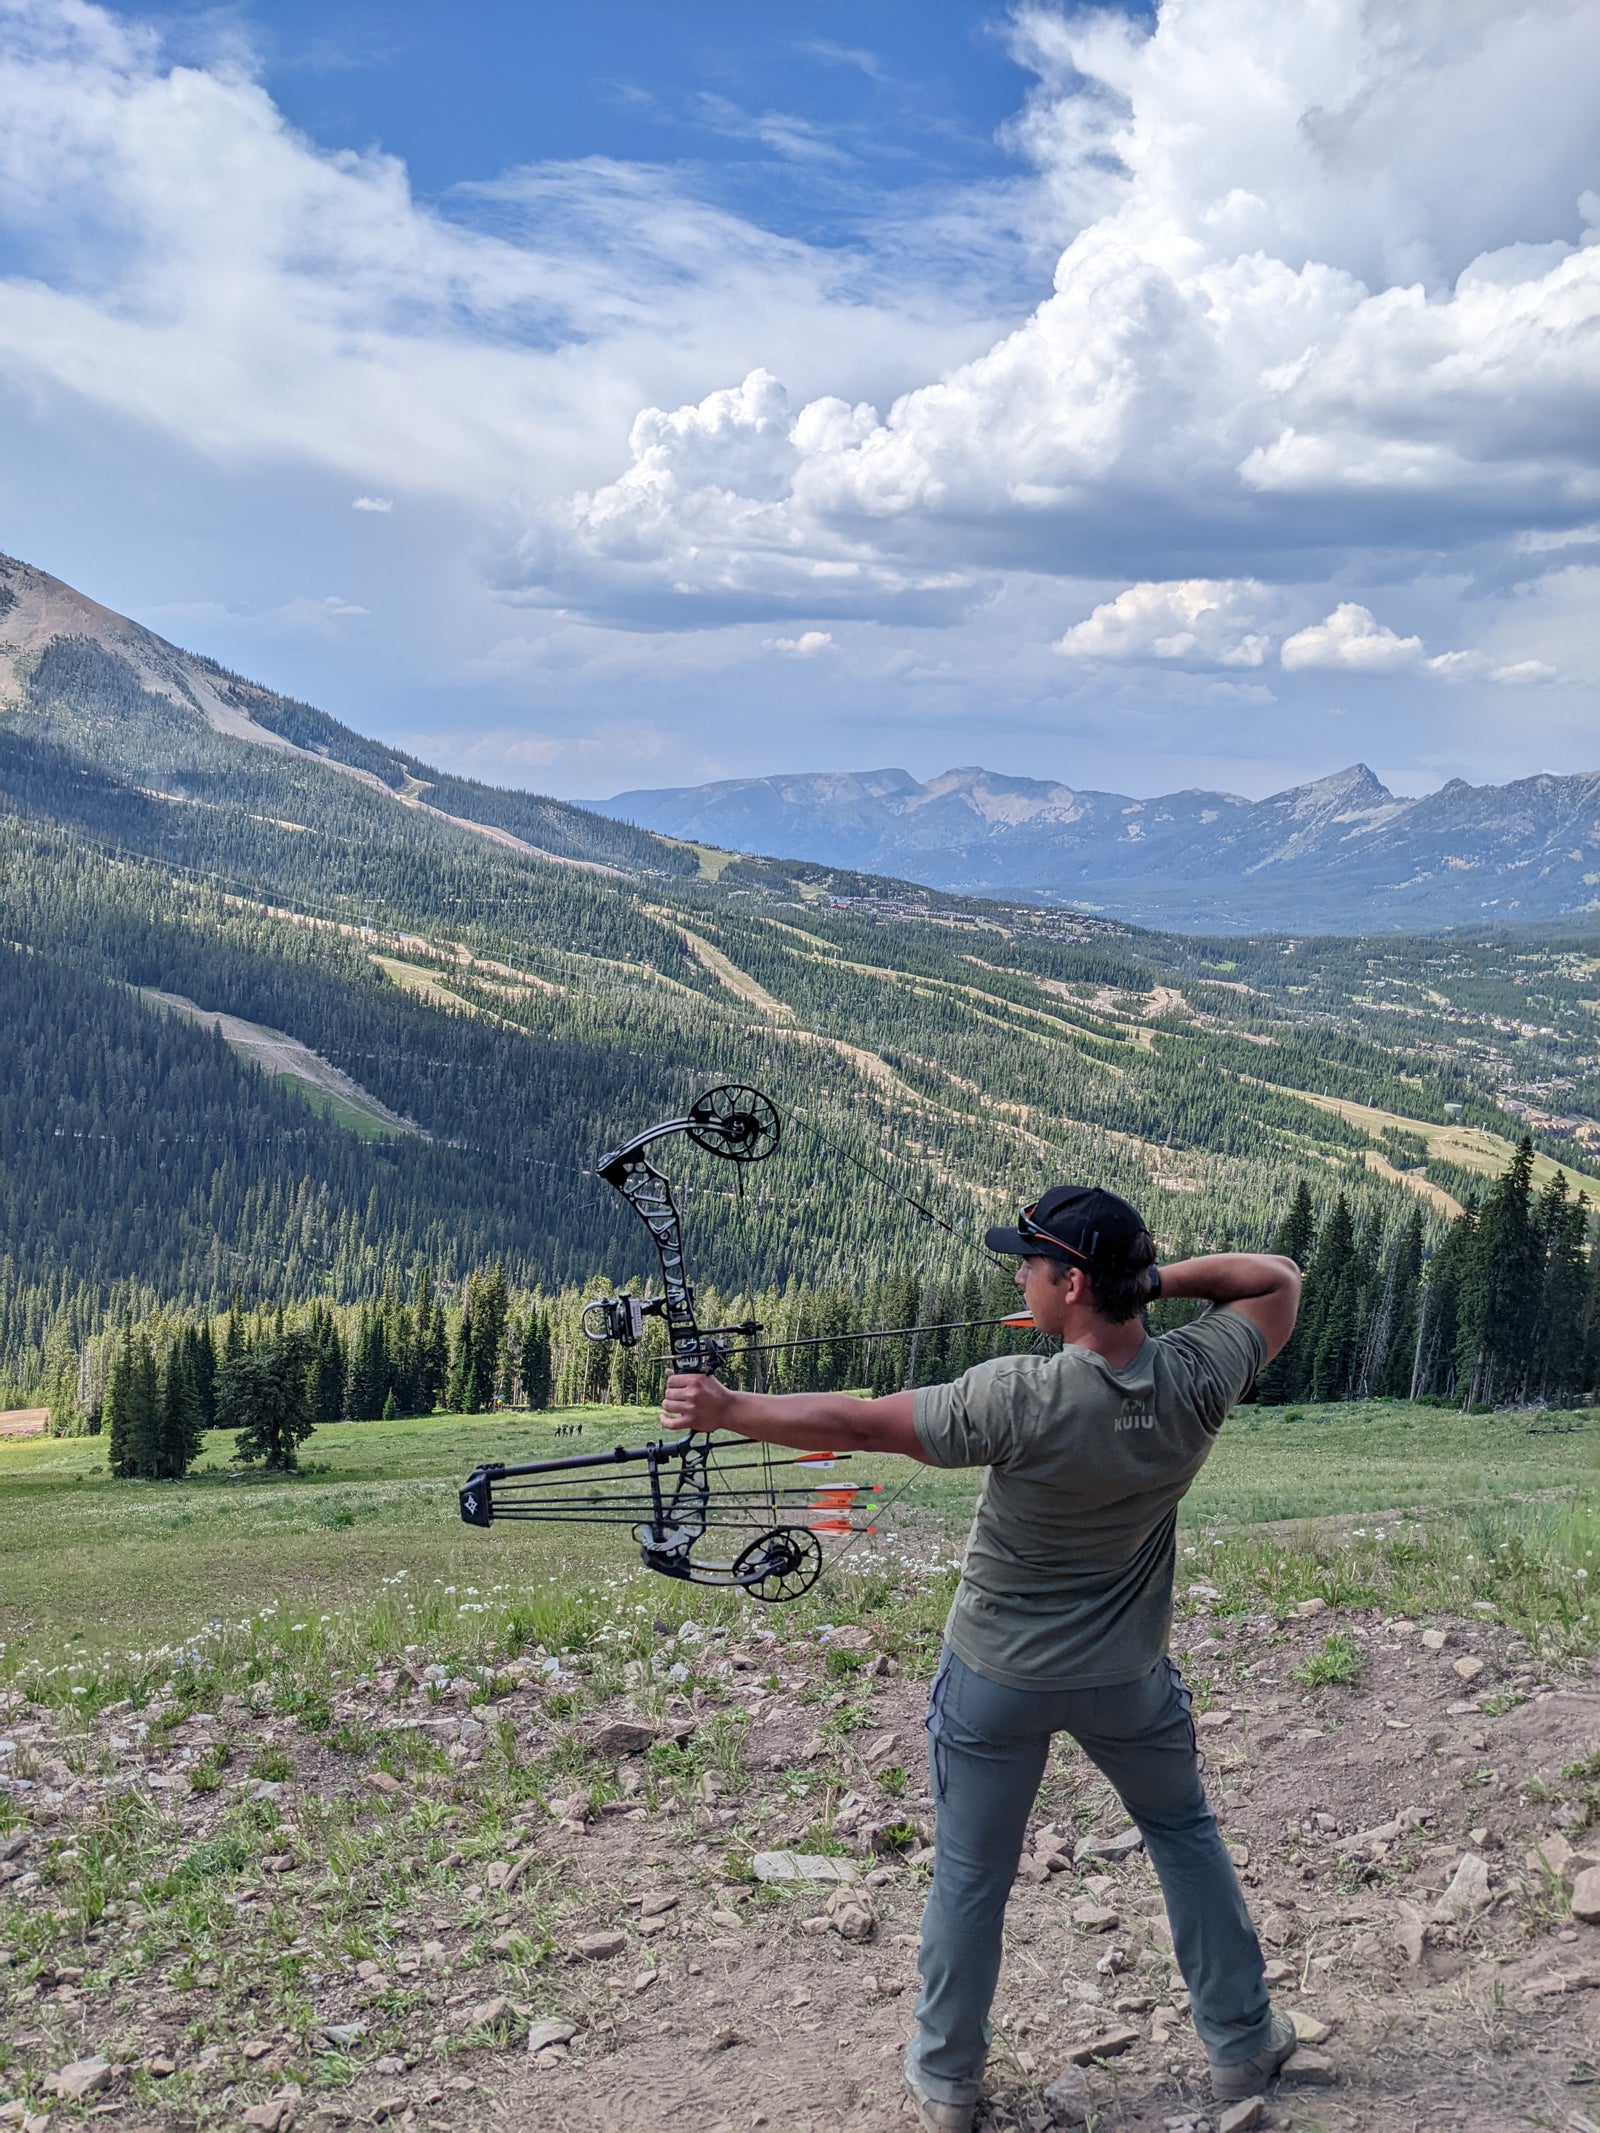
1336,1662
1375,1505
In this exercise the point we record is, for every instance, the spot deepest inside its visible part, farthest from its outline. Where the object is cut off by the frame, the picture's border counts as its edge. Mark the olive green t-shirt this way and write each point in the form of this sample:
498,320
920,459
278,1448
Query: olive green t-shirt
1067,1579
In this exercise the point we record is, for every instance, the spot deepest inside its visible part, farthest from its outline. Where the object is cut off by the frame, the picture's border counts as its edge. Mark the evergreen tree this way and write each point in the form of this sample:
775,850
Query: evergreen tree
328,1365
264,1394
132,1410
1559,1228
433,1346
1297,1231
182,1424
534,1364
1500,1293
369,1370
61,1381
203,1370
1398,1359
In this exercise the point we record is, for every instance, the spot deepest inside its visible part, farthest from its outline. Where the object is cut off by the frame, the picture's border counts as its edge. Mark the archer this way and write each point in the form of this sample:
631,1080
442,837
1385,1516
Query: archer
1061,1620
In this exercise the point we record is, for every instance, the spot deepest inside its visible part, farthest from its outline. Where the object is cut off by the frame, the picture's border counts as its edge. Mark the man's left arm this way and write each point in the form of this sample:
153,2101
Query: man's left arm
804,1421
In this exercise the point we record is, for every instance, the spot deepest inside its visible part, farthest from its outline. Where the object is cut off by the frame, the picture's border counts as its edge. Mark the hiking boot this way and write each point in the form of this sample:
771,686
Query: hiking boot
932,2115
1248,2077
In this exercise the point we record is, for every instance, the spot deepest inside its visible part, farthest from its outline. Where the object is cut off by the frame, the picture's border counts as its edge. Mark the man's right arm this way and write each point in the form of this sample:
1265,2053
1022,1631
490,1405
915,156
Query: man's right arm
1260,1286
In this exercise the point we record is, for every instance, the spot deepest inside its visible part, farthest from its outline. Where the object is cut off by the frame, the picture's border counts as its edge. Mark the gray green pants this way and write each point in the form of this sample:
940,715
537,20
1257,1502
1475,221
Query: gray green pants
987,1747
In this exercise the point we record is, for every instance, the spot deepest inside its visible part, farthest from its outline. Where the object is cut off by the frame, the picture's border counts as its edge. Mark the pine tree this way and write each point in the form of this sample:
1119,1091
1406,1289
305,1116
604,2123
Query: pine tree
133,1410
1559,1342
488,1333
203,1370
1398,1360
328,1368
534,1366
264,1394
61,1381
1333,1361
1297,1231
1500,1292
182,1425
369,1370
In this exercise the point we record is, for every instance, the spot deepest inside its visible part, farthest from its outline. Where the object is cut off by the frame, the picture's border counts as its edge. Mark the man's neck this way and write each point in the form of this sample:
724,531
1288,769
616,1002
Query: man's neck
1118,1343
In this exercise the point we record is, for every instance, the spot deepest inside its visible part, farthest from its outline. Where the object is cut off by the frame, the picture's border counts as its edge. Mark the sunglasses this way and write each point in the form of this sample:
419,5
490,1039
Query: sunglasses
1030,1228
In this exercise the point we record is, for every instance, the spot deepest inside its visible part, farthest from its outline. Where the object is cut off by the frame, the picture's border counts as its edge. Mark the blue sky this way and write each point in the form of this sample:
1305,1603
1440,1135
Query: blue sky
631,394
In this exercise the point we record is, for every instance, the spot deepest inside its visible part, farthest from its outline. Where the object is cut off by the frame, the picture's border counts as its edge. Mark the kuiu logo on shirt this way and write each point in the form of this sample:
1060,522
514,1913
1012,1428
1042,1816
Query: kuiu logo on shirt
1136,1418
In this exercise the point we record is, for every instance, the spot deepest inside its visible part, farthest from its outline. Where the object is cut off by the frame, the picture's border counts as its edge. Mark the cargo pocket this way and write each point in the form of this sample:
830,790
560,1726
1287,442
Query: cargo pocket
935,1723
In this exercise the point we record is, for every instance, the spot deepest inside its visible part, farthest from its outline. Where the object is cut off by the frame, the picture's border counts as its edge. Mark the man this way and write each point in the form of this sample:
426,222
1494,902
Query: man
1061,1620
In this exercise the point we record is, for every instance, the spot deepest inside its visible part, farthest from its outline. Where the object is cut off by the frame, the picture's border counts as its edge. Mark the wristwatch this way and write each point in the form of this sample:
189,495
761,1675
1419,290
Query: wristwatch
1154,1273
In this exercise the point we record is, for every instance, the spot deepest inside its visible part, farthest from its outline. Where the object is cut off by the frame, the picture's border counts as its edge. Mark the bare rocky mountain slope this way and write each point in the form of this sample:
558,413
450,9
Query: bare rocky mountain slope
1338,853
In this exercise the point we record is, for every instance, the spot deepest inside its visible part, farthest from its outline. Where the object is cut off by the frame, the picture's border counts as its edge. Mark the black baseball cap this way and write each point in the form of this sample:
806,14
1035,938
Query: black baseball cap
1083,1225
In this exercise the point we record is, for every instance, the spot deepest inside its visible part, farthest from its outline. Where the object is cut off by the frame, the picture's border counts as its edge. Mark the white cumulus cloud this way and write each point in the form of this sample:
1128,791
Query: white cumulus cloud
806,646
1352,639
372,503
1202,621
1332,293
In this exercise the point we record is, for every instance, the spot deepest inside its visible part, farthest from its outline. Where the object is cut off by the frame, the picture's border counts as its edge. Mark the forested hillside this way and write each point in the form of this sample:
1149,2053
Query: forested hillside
497,1018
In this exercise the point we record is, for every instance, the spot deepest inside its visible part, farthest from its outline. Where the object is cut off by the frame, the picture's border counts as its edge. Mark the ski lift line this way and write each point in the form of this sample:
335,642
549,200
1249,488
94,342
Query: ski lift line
882,1177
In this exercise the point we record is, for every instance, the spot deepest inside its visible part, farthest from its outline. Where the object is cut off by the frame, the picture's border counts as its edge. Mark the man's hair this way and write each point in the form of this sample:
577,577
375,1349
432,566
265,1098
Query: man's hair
1118,1292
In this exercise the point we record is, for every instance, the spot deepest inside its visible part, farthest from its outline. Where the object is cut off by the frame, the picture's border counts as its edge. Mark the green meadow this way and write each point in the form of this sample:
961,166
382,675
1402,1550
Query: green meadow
1374,1504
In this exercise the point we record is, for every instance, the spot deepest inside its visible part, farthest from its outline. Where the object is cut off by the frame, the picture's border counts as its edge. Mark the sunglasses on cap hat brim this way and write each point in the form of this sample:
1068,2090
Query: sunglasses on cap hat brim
1027,1227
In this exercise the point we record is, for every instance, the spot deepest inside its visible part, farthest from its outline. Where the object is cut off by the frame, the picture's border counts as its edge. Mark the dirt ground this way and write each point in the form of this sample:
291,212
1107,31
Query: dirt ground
691,1996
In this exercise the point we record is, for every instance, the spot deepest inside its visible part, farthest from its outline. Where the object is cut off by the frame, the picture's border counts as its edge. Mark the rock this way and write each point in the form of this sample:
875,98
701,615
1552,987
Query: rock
1572,1866
1109,2044
623,1736
1279,1973
1095,1918
658,1904
489,2014
1030,1867
596,1947
1067,2098
1309,2070
1410,1933
1122,1846
82,2077
341,2035
542,2035
1586,1896
1367,1840
1240,2117
723,2040
802,1866
1307,2027
1435,1639
1468,1892
381,1781
271,2116
728,1920
850,1915
1549,1855
879,1748
1212,1721
1469,1668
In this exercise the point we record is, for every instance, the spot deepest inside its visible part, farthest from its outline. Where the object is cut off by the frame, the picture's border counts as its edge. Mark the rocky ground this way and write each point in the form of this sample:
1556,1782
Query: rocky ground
525,1897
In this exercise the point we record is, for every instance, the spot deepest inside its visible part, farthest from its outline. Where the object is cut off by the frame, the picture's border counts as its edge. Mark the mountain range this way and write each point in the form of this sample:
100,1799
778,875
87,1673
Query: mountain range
1338,854
291,1014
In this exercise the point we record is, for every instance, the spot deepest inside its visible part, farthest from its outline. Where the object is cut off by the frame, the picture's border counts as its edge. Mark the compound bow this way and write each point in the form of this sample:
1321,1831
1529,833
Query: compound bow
673,1493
